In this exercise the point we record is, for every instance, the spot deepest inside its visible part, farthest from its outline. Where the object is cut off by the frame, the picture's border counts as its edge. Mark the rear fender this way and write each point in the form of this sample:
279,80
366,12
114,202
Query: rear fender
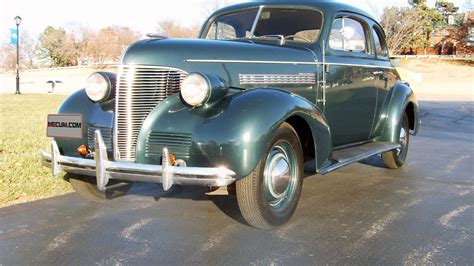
401,99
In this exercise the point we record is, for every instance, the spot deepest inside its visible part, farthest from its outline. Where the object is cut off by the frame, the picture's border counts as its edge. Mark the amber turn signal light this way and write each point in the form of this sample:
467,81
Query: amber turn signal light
172,159
82,150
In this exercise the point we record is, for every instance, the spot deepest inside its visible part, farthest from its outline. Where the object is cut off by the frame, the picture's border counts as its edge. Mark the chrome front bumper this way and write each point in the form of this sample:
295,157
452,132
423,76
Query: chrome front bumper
103,169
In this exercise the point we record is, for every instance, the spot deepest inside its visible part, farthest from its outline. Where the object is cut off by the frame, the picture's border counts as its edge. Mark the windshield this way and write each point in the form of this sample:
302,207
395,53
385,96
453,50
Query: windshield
298,25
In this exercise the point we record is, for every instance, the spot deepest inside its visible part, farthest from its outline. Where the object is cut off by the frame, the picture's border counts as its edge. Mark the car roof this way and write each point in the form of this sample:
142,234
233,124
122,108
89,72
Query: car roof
326,6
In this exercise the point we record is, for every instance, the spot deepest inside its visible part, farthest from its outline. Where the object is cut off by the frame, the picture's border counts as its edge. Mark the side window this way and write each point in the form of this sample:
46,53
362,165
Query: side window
221,31
380,45
348,35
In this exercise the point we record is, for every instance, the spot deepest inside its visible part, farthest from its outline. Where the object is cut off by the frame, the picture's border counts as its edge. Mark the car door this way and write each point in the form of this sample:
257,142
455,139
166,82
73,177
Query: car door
351,91
385,75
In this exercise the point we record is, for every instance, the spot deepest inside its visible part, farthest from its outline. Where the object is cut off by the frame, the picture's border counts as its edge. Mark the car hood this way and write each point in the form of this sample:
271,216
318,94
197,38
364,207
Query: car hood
227,59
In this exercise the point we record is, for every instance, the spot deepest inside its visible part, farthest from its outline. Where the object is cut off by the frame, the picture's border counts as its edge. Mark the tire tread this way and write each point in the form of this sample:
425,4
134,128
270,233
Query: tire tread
390,158
248,189
249,201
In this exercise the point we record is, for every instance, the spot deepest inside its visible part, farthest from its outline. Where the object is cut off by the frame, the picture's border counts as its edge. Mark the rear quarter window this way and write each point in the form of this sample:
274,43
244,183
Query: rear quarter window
380,44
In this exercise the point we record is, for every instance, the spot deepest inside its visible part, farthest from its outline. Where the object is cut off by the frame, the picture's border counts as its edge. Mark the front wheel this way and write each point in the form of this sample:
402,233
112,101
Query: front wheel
396,158
87,188
269,195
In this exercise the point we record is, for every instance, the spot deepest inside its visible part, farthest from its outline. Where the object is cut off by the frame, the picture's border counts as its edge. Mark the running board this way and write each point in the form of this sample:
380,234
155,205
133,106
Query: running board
355,154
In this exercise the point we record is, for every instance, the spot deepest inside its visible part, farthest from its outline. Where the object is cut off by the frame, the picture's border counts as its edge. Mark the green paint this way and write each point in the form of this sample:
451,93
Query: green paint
364,97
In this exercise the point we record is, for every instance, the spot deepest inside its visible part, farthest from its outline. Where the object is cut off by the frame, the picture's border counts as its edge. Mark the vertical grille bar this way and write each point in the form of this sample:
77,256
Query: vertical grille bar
139,90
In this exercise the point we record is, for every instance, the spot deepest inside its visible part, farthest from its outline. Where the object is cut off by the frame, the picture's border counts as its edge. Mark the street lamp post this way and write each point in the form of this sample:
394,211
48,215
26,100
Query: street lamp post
17,22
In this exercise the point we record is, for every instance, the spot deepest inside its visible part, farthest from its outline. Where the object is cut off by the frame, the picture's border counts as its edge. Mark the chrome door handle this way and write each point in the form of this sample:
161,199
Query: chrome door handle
376,73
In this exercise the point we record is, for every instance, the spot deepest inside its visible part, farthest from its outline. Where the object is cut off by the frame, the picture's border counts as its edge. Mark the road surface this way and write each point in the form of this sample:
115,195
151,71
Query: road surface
361,214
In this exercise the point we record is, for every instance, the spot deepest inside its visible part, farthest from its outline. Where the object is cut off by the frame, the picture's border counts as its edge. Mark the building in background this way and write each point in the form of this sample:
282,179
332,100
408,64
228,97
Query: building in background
455,38
469,24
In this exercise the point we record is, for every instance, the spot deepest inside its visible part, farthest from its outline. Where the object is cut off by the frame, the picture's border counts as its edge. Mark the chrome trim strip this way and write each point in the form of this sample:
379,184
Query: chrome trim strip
158,67
357,65
249,61
280,62
324,81
352,145
103,169
359,157
301,78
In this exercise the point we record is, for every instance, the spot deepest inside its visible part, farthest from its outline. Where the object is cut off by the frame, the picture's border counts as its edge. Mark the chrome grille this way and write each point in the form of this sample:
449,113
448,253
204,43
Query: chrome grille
179,144
106,135
139,90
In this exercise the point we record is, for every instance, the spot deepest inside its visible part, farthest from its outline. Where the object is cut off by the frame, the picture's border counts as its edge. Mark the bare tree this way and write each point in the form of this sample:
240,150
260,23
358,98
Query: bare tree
80,37
7,57
171,28
402,26
110,42
28,48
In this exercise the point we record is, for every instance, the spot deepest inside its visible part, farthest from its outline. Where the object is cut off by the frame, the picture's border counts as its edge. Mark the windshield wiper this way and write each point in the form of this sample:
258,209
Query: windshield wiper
281,38
273,36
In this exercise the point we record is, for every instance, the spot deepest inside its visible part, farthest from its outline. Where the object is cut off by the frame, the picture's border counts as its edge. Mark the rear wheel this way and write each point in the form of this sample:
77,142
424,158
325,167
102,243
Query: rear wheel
396,158
87,188
269,195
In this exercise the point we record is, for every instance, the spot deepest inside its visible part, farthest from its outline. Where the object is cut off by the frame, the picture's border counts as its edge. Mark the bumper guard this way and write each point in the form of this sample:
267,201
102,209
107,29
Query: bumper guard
103,169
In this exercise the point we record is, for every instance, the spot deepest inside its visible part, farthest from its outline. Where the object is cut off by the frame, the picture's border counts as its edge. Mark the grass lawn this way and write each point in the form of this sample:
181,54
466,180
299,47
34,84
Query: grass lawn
22,138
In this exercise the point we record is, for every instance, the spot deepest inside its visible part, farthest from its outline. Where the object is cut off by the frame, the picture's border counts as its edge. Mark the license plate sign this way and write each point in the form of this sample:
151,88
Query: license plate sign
65,126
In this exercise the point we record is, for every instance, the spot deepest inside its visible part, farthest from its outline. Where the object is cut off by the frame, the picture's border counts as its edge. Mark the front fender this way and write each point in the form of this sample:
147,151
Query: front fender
93,115
401,100
234,132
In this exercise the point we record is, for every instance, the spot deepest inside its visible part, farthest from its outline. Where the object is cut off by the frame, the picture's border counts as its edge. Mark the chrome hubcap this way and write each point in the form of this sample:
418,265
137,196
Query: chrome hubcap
280,176
403,141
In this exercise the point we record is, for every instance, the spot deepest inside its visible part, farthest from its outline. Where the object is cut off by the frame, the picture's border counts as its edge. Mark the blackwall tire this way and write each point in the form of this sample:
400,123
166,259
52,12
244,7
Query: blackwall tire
396,158
269,196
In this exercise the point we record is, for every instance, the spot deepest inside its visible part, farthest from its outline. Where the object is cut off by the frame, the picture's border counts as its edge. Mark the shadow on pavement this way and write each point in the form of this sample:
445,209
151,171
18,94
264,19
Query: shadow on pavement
226,203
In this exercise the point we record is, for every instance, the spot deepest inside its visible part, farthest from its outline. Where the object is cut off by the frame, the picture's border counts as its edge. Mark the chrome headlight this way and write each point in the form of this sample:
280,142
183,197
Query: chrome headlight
195,89
100,86
198,89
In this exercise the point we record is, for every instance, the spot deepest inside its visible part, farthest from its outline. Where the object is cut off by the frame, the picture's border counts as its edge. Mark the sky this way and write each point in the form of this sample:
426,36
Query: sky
140,15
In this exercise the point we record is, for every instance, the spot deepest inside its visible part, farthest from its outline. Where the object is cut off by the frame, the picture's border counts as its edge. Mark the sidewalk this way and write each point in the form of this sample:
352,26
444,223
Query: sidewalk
35,82
440,81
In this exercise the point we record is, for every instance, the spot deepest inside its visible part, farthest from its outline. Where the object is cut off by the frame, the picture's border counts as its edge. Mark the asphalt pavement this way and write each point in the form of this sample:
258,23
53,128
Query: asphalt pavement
361,214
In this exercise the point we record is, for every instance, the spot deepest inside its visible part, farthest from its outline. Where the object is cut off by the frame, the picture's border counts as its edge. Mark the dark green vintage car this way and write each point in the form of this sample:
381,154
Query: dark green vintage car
267,89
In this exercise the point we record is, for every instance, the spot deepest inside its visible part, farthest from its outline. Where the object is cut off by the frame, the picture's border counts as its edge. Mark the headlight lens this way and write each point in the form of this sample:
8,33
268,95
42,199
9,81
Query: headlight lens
98,87
195,89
